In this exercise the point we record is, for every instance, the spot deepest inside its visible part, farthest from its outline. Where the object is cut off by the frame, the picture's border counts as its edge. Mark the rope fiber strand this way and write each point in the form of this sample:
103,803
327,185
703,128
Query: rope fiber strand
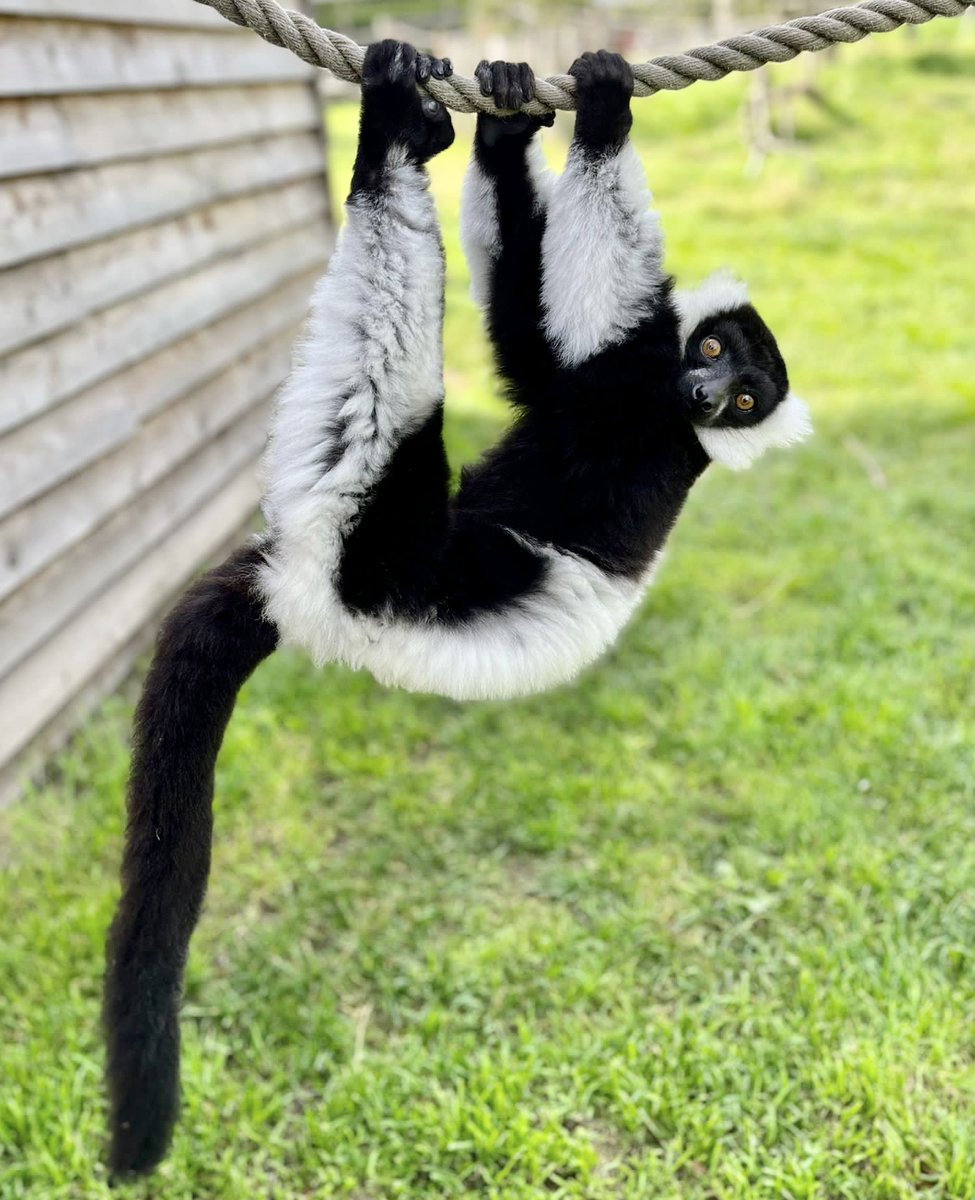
744,52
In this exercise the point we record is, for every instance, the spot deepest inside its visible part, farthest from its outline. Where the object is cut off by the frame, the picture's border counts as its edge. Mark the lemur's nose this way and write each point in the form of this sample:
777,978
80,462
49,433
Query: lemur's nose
703,400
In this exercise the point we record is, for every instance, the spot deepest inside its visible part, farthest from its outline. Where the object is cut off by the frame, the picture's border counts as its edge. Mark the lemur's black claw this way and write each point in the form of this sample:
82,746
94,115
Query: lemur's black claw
510,84
427,65
527,82
484,76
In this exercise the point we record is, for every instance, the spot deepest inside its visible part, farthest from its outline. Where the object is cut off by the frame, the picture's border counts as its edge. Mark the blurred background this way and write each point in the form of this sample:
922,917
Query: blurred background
701,925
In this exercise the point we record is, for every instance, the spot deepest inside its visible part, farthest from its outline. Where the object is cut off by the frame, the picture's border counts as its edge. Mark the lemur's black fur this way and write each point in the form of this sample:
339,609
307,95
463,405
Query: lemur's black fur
511,585
207,647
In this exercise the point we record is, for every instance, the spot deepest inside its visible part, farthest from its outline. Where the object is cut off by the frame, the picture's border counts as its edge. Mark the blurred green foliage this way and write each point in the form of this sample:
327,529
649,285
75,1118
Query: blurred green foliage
357,14
701,926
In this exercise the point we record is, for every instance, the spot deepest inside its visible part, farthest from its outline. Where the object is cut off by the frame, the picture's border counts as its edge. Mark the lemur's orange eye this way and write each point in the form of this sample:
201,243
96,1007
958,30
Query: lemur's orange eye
745,402
711,347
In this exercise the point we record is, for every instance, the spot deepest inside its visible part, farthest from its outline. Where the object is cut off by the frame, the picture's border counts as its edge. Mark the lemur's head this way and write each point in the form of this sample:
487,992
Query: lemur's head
733,380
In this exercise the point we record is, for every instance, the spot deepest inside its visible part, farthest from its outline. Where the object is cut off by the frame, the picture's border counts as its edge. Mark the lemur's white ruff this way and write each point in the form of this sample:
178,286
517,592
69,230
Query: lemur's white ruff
789,423
719,293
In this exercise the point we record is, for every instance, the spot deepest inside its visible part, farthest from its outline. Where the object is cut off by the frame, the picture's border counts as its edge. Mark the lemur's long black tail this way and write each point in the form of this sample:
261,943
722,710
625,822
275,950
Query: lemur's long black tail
208,646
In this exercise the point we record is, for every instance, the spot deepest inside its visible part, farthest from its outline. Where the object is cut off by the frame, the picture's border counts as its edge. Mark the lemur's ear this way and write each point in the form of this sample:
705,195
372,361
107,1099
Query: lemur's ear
721,292
738,447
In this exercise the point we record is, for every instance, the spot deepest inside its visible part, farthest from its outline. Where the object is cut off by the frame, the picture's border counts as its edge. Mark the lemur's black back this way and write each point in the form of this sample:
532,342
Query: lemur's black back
208,645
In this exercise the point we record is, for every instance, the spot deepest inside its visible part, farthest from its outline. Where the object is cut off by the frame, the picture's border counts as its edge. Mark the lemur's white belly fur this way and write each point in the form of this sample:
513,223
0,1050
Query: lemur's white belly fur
536,643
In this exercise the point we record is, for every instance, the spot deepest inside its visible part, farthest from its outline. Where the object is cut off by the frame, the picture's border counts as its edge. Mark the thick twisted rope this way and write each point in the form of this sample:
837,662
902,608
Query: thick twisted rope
745,52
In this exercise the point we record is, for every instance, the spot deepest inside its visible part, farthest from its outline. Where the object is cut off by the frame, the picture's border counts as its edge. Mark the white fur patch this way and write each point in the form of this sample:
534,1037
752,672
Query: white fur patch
537,642
540,173
603,254
787,424
480,234
719,293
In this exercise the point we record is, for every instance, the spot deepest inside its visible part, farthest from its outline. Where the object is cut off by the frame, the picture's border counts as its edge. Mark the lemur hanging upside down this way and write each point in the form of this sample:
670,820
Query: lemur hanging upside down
624,391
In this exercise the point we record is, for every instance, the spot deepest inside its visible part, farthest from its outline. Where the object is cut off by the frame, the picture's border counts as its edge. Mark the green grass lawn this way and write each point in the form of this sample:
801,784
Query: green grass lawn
702,925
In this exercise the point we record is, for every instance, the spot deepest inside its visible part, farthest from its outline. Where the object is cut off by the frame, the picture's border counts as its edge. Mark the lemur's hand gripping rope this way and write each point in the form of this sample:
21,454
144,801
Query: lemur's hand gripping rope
744,52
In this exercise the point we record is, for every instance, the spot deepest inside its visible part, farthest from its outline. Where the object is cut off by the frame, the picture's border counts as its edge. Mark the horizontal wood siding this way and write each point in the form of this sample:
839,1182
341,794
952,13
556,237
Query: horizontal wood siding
52,57
59,132
42,214
182,13
163,218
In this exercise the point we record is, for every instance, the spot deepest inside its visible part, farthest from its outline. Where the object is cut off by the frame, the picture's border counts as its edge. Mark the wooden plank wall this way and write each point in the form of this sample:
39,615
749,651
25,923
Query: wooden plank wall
163,217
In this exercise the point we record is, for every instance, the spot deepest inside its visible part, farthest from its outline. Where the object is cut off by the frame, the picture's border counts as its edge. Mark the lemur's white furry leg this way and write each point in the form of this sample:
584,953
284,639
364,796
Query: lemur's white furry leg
368,371
603,253
480,231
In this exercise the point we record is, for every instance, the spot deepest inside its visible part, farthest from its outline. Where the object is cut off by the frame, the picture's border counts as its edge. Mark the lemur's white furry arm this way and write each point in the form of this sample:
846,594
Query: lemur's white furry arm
603,253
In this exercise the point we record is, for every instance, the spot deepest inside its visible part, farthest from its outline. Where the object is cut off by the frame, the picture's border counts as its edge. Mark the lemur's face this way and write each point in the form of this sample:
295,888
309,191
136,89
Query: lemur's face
734,383
733,376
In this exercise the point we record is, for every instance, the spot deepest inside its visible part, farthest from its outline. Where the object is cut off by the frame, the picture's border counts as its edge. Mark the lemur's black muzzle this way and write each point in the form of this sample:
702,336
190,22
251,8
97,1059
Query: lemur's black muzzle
705,395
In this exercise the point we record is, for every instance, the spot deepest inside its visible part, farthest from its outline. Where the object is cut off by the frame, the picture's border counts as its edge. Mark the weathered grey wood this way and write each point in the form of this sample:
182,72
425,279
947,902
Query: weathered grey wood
43,214
163,217
39,58
46,452
36,611
183,13
37,378
35,692
109,677
36,754
35,535
42,297
54,133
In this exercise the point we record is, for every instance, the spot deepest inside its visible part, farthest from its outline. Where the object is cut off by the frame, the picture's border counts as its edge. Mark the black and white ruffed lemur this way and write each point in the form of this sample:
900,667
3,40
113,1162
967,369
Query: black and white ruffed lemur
624,391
